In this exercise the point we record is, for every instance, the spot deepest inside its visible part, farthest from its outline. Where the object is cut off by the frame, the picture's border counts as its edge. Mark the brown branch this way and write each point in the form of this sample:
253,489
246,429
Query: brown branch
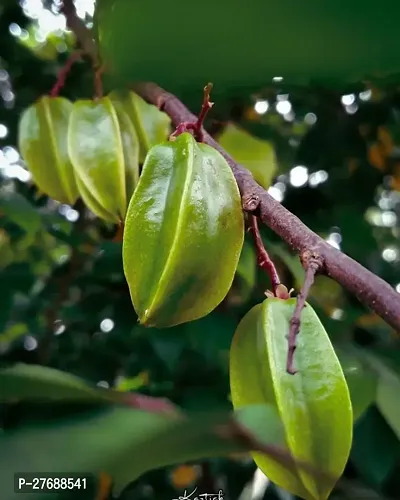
366,286
263,259
81,31
312,263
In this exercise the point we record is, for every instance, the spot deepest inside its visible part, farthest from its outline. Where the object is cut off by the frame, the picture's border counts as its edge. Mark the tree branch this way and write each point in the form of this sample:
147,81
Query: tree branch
80,30
366,286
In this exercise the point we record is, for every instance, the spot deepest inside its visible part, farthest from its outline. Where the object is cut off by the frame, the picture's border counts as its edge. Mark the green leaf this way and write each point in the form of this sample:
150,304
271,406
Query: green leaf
18,209
132,383
376,451
255,154
211,336
168,347
6,251
314,404
32,382
12,333
278,38
388,387
388,401
361,380
125,443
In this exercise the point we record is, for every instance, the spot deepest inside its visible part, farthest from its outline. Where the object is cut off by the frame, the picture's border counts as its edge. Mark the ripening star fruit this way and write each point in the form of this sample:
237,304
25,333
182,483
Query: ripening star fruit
42,138
152,125
314,404
104,151
183,233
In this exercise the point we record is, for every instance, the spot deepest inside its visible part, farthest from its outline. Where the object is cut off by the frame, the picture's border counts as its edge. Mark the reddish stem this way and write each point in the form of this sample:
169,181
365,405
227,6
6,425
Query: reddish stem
119,235
205,108
98,82
312,263
197,127
150,404
263,259
64,72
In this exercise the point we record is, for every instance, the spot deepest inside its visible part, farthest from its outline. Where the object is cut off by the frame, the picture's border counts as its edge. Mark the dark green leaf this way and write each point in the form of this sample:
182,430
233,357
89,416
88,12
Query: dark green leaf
18,209
375,449
277,39
125,443
34,382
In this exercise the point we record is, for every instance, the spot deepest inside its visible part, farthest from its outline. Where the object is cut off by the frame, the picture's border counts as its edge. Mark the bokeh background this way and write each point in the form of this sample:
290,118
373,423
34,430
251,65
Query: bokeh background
332,159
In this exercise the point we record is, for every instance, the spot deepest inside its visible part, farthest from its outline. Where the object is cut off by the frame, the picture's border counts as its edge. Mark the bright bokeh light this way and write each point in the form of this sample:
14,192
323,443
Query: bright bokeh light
107,325
389,219
366,95
348,99
283,107
310,119
390,254
15,29
104,384
298,176
317,178
334,239
389,199
72,215
59,328
289,117
3,131
381,218
337,314
276,193
30,343
11,154
50,20
351,109
261,107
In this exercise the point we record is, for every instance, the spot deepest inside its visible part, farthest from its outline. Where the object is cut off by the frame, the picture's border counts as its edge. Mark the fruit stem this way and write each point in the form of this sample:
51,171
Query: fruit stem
98,82
196,128
64,72
312,263
205,108
119,235
263,259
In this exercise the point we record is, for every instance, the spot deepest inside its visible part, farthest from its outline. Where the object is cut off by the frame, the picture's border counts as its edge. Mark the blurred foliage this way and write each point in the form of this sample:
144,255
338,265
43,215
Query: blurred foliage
277,40
64,302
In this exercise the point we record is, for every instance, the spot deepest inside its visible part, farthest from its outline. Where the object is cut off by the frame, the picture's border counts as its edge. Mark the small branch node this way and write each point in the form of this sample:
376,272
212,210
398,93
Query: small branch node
310,258
250,202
